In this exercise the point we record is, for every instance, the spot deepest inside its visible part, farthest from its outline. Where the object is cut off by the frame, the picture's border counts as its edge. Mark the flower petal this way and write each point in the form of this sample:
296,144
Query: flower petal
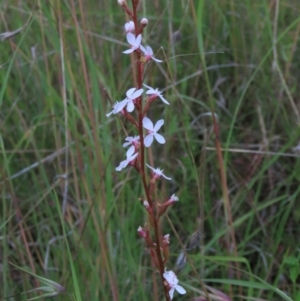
149,50
108,114
147,124
143,49
163,99
159,138
148,140
138,40
131,158
180,289
120,106
171,292
130,106
156,60
150,88
130,92
158,125
130,152
137,93
167,178
128,51
130,38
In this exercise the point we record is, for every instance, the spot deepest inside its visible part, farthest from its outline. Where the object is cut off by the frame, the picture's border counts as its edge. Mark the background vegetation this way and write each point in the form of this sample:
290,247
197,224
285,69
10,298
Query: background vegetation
68,216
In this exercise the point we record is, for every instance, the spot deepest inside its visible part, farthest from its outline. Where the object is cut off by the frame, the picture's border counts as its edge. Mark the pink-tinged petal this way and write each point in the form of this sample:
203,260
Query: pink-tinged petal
130,92
149,50
171,292
147,124
158,125
130,38
129,26
128,51
159,138
148,140
180,289
130,106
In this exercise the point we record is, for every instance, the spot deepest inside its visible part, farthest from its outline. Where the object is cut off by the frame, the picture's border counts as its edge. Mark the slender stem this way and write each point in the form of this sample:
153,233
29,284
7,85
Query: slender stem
155,219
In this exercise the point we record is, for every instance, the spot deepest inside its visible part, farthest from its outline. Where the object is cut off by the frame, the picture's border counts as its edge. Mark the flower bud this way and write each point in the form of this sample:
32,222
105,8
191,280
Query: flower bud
165,246
144,22
121,2
168,203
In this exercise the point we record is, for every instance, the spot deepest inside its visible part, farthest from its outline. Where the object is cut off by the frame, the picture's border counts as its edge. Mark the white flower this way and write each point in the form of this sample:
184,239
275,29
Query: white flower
114,111
135,42
131,94
174,198
130,157
158,172
129,26
173,283
156,93
133,141
152,131
148,52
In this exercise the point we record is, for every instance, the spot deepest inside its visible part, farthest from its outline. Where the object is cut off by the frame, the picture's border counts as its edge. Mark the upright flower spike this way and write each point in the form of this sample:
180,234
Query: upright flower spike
173,285
154,94
129,26
158,173
130,158
133,41
148,53
152,131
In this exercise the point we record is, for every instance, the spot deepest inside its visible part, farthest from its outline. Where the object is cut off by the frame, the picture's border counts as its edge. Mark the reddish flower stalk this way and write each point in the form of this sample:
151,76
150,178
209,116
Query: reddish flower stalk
135,156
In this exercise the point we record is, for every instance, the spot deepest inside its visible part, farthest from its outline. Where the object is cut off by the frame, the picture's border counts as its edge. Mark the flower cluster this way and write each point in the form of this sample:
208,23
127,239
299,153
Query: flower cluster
134,108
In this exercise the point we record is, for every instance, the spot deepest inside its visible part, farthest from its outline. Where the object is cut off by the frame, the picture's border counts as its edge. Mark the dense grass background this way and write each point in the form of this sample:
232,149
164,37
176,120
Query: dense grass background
66,215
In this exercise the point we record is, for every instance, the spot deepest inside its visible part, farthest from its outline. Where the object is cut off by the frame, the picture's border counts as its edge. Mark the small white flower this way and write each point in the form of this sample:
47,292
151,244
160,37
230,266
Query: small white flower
114,111
132,141
166,239
156,93
129,26
173,283
148,52
135,42
130,156
131,94
158,172
146,204
152,131
174,198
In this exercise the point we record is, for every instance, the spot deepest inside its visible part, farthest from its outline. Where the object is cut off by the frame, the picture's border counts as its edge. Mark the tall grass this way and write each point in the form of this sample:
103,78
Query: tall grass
66,215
